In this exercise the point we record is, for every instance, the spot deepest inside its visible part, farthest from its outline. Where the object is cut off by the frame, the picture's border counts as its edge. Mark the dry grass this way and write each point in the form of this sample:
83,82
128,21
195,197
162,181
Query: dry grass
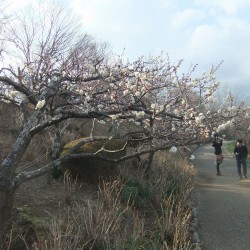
125,216
70,187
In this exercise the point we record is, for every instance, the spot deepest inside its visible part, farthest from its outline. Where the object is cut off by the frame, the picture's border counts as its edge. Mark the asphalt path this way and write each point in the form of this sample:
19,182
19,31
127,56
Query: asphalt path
223,202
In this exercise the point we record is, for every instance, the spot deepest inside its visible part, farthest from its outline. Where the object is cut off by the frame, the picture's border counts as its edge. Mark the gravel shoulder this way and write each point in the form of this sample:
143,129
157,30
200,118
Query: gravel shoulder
223,203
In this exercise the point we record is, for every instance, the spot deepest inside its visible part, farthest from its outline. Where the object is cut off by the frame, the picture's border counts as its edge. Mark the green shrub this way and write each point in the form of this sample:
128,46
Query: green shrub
230,147
136,194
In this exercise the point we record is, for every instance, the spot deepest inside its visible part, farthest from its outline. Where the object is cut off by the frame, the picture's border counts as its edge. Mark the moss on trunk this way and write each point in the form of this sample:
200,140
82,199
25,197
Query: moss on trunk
92,169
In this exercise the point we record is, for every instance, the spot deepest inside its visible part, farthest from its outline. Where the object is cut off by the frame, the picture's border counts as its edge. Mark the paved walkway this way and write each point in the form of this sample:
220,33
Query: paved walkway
223,203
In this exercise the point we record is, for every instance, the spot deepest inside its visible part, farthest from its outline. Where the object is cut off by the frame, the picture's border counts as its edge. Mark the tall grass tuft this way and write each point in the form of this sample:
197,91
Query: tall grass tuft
132,212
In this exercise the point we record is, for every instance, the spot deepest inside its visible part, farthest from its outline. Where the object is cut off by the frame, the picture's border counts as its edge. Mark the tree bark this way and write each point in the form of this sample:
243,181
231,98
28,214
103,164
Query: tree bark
149,164
6,208
55,153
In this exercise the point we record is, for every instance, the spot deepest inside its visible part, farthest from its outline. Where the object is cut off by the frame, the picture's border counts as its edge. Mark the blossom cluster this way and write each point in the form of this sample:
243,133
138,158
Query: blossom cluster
147,93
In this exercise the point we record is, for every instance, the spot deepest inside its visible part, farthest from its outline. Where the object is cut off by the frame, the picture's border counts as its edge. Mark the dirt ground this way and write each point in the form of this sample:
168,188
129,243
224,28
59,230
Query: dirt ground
36,203
43,199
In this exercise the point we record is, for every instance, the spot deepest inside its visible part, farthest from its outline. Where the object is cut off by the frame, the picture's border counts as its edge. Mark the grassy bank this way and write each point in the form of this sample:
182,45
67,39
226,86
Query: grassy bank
132,211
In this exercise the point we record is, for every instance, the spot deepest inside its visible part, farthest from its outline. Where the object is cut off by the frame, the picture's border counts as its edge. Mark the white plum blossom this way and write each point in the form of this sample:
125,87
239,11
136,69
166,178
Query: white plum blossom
221,127
139,114
228,98
40,104
161,107
134,87
154,105
233,108
186,115
137,93
201,115
114,117
125,92
173,150
229,123
100,106
143,76
158,118
198,120
177,112
101,122
210,99
192,157
54,78
146,123
167,108
226,125
87,98
64,73
189,113
125,70
137,75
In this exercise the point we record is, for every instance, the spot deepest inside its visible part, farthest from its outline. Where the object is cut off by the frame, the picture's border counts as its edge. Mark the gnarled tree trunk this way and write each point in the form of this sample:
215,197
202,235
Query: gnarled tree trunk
7,174
6,208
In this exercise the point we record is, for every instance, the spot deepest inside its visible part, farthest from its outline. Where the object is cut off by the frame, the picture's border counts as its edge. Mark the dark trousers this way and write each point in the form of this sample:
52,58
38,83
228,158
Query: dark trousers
244,165
218,167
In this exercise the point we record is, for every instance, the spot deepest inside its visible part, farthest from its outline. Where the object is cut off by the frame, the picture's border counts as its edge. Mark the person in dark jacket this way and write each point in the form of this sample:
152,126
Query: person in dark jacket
217,144
241,152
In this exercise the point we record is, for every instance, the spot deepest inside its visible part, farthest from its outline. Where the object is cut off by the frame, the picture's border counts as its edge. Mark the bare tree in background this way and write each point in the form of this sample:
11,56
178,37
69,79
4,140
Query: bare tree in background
44,59
55,73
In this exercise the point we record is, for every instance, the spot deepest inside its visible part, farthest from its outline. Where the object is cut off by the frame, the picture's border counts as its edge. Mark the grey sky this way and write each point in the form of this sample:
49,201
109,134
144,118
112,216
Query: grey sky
198,31
202,32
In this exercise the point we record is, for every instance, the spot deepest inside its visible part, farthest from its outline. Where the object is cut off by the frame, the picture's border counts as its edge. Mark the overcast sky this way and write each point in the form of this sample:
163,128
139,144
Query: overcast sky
199,31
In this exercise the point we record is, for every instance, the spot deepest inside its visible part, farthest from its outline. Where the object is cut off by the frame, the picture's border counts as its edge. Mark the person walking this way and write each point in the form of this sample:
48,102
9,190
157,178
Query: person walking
241,152
217,144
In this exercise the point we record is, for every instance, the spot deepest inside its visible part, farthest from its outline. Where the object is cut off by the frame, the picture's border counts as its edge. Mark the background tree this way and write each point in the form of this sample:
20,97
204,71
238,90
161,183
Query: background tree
55,73
233,109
